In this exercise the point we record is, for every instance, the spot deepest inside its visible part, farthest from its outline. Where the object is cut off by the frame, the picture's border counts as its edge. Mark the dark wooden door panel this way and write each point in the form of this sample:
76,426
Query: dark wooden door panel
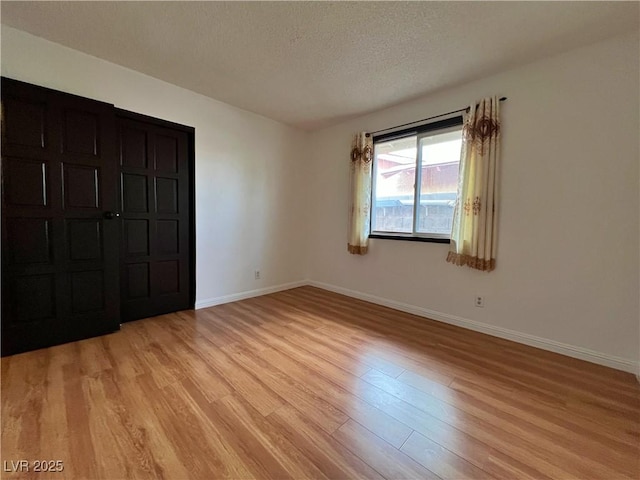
81,133
135,193
133,145
34,298
81,186
25,122
136,282
25,182
31,241
167,237
60,279
155,253
85,240
167,154
166,195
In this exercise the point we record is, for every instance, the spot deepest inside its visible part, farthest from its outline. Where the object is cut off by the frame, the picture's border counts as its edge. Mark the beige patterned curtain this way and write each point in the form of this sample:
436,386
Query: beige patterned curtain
474,231
360,204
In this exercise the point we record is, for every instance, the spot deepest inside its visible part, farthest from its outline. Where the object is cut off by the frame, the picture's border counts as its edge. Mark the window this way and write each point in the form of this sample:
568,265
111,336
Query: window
416,203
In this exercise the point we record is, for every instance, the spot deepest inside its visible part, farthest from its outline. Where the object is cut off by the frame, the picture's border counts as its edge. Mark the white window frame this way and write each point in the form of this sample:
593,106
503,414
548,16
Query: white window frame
441,126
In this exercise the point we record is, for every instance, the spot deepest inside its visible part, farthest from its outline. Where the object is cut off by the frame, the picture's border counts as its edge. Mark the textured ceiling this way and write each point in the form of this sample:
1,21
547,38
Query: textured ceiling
311,64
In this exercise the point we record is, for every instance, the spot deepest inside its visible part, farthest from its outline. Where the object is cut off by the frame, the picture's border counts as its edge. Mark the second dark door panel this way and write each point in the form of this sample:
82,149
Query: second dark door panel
155,216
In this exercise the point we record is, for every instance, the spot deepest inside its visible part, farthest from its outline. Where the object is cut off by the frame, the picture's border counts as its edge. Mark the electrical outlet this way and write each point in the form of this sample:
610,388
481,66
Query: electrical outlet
257,274
479,301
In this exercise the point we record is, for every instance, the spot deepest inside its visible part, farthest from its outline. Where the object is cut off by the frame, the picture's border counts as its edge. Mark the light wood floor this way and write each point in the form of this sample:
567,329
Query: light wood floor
310,384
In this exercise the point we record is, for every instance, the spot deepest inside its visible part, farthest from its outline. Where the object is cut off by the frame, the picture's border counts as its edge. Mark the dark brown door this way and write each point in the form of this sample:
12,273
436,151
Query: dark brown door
60,277
156,216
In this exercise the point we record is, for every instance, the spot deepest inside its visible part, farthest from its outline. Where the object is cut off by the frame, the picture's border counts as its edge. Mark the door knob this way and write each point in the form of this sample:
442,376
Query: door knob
111,215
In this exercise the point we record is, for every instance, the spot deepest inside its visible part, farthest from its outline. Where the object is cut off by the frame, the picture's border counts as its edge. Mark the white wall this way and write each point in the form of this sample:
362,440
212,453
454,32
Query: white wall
248,209
567,265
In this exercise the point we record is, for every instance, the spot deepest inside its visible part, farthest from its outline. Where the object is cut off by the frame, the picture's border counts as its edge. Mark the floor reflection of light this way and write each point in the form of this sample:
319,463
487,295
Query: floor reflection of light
416,389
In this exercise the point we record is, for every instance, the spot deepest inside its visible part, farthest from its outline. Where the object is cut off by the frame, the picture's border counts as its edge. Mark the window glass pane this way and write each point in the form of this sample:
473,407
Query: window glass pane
393,198
439,181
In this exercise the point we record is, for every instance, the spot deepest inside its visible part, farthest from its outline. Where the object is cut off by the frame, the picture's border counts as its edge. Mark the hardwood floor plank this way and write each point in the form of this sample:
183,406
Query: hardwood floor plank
249,423
441,461
307,383
145,427
273,306
195,326
326,453
404,356
386,359
93,357
211,383
184,355
520,438
54,430
343,349
151,355
121,356
77,409
573,391
245,383
22,424
228,322
378,422
246,446
469,438
383,457
332,391
351,364
115,442
505,467
582,402
343,391
580,432
448,337
201,445
297,393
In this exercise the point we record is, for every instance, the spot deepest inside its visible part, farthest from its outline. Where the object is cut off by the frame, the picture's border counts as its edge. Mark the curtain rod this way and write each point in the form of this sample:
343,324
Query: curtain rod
502,99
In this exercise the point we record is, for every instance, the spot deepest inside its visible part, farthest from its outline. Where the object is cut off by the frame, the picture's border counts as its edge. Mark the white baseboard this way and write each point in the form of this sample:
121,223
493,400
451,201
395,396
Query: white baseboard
210,302
563,348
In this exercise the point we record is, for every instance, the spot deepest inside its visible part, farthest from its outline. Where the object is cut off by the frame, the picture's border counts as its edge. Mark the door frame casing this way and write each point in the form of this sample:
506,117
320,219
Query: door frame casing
191,159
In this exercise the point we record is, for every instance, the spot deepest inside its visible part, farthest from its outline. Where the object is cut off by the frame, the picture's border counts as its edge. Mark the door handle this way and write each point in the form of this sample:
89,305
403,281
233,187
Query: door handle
111,215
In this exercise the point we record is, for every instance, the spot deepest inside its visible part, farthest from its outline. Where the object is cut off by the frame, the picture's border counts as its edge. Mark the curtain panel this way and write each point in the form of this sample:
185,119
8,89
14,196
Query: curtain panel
474,230
360,202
